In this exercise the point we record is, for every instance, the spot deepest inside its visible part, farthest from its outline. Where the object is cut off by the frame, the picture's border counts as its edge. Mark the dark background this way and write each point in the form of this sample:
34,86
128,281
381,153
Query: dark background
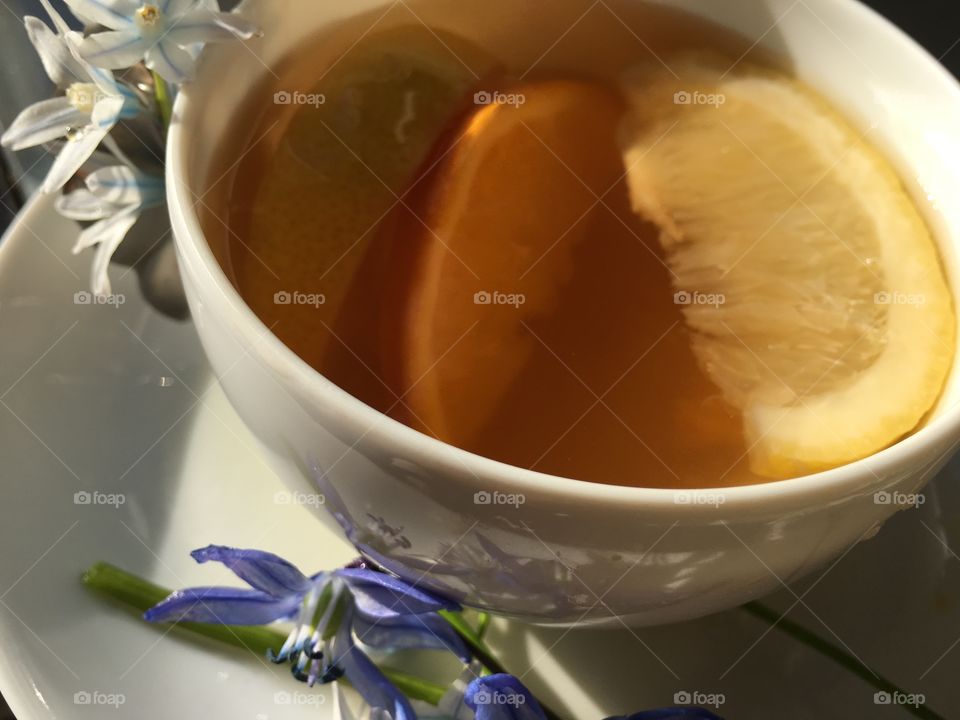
933,23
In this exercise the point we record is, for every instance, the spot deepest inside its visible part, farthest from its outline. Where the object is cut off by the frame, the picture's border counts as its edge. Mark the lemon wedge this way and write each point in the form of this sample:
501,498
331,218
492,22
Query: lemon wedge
811,285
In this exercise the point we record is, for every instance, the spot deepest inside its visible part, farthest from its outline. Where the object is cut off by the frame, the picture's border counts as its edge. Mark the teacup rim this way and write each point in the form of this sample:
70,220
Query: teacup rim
797,493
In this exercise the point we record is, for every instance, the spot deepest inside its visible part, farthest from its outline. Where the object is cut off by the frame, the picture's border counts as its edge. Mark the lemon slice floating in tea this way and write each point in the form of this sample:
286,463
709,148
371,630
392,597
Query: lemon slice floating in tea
833,326
513,194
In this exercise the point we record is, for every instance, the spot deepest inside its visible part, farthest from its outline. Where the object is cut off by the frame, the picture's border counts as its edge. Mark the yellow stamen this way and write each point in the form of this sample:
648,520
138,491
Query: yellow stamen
148,16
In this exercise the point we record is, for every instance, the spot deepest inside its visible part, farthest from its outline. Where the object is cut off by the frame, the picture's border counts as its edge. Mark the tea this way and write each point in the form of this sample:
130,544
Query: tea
448,229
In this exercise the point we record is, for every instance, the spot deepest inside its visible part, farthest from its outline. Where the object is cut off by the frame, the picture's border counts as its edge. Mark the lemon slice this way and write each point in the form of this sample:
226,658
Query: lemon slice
811,285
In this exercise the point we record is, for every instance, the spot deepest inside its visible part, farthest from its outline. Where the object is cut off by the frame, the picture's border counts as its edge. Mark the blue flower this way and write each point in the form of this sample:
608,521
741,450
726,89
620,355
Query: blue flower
332,613
335,614
504,697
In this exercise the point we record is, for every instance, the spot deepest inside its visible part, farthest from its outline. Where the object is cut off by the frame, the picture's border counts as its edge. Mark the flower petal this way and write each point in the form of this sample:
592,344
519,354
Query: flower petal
101,77
202,26
379,595
84,205
73,155
107,111
261,570
452,705
114,49
176,8
112,232
502,697
78,149
172,63
367,678
114,14
411,632
221,606
58,62
341,708
120,185
42,122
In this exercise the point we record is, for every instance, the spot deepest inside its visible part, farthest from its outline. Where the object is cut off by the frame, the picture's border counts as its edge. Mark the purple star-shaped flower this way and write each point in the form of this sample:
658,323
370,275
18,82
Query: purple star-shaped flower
332,611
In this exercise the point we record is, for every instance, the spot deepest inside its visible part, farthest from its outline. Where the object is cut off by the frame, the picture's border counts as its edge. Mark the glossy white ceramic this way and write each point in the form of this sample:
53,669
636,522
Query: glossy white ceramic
572,552
122,401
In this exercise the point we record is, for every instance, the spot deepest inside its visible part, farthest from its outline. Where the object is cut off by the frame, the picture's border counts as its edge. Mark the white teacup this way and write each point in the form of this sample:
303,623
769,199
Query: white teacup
542,548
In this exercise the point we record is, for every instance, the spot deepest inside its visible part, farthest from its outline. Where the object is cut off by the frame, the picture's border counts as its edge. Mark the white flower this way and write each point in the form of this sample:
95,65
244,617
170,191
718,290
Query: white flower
91,104
113,197
164,33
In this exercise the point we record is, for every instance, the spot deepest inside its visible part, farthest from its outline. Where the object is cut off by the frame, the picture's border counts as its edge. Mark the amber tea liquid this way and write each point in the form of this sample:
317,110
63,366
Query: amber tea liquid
439,224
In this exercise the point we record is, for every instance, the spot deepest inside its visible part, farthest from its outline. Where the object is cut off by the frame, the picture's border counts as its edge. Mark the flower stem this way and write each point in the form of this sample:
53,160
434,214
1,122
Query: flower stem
482,653
141,595
161,92
472,637
837,654
483,622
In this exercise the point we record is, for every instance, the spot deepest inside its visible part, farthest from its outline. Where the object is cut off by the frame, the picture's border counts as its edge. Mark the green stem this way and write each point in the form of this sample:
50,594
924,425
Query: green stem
472,637
837,654
164,100
141,595
415,687
482,653
483,623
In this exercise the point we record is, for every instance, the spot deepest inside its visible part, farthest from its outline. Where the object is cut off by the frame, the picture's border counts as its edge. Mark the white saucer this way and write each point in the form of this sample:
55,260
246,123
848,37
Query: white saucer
120,400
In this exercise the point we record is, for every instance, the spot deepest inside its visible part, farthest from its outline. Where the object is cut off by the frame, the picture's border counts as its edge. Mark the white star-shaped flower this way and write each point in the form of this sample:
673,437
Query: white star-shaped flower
164,33
90,105
112,199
